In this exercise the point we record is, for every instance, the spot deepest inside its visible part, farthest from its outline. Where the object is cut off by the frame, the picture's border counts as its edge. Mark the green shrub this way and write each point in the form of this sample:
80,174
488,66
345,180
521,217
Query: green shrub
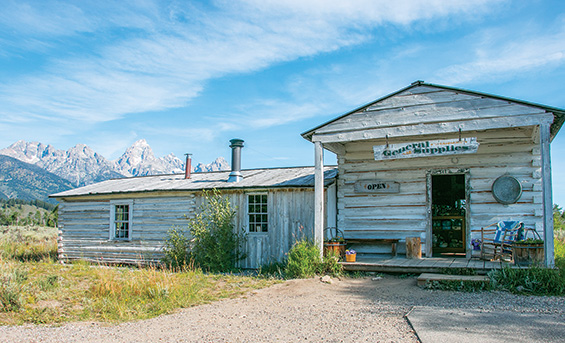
303,260
273,269
217,245
559,245
330,264
534,280
11,290
176,249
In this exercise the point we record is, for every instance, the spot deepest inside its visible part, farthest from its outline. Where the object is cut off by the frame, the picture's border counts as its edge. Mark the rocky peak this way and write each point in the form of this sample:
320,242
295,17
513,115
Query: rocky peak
219,163
81,165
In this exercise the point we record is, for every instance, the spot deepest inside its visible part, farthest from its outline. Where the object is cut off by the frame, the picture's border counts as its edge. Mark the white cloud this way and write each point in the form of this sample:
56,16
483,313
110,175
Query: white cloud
166,54
497,57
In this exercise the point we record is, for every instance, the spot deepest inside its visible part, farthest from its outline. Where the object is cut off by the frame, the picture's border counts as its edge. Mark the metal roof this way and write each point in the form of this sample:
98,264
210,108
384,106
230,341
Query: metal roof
559,113
292,177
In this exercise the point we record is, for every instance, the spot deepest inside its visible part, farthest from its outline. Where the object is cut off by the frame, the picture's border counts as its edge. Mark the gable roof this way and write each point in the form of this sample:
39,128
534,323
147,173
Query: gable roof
558,114
292,177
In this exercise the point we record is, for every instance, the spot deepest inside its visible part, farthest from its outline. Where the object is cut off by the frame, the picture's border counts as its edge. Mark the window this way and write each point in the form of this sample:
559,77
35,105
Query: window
121,221
257,210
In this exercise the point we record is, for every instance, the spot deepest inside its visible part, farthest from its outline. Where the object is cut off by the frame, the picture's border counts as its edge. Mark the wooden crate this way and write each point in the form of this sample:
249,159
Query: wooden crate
528,254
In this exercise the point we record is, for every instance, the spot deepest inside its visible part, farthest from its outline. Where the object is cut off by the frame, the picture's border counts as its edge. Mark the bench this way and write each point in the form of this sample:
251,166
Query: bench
392,241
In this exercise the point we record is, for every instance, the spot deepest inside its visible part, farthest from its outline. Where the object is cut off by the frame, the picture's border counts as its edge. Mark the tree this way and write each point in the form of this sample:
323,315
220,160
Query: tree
558,218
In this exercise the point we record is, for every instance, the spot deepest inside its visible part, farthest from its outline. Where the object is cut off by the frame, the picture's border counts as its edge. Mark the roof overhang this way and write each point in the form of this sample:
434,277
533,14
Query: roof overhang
557,122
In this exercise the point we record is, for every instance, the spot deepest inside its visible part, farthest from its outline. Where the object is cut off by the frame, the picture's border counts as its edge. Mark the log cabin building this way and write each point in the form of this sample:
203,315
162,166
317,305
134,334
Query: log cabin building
439,163
428,161
127,220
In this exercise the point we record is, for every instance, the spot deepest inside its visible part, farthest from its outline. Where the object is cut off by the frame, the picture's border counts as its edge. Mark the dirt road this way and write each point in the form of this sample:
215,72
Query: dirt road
358,310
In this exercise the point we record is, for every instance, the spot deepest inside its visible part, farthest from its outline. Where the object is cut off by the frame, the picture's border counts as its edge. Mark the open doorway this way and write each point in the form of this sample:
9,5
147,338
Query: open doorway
448,215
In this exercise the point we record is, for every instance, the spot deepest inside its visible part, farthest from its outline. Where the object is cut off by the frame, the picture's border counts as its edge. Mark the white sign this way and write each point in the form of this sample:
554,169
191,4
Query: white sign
376,186
426,148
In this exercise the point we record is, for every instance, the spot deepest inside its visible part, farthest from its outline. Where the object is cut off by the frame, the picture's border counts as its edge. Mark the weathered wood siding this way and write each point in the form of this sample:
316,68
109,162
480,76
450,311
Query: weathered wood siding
291,217
509,138
427,110
84,229
406,214
84,226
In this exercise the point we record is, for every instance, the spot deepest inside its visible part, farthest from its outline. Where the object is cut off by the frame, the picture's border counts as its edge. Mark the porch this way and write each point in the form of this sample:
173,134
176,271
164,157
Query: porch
401,264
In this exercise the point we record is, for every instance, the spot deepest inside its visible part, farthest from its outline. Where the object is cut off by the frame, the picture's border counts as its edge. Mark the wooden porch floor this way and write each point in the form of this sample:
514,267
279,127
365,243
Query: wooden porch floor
399,264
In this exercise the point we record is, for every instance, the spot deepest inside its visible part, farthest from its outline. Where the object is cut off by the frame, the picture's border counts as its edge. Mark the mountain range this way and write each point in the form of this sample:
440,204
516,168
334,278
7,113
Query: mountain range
20,180
80,165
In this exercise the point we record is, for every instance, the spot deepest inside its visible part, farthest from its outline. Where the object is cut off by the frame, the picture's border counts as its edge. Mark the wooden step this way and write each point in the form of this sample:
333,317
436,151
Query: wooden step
426,277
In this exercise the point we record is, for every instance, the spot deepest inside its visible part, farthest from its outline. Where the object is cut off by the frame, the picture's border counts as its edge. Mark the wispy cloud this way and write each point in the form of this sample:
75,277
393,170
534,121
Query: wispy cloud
157,57
502,55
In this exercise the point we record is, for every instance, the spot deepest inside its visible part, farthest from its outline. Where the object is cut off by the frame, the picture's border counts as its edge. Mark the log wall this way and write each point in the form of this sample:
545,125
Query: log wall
511,151
84,226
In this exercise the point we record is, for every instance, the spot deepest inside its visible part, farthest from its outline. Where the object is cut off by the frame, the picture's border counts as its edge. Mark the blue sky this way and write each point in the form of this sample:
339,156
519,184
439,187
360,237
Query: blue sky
188,76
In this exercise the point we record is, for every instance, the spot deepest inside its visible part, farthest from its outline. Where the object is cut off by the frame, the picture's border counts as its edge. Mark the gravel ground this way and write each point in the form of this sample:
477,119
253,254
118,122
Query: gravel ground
360,310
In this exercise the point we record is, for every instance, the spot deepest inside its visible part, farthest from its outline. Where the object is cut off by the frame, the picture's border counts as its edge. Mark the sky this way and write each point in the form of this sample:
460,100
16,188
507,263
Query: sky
188,76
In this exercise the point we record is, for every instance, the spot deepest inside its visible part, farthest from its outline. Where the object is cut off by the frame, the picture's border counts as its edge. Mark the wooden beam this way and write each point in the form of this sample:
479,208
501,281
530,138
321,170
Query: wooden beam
319,195
433,128
547,195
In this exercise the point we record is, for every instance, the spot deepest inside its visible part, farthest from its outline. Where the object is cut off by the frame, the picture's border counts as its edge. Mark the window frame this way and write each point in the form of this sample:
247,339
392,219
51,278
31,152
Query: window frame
248,195
113,205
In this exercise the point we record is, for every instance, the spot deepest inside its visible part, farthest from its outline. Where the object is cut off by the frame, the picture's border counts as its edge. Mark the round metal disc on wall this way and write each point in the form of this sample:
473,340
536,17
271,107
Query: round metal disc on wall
507,190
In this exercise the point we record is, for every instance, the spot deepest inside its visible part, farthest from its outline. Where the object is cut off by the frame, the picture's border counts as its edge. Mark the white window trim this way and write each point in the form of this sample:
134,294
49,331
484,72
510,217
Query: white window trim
247,213
113,219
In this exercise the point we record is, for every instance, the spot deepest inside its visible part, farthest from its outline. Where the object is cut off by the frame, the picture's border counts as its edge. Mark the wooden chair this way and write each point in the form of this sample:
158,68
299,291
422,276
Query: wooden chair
497,240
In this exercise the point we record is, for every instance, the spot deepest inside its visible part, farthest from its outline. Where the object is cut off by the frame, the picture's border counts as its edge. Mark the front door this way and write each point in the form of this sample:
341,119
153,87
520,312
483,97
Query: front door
448,215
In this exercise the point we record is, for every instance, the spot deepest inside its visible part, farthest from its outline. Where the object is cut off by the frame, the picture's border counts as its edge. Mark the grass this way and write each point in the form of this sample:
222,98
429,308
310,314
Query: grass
34,288
530,281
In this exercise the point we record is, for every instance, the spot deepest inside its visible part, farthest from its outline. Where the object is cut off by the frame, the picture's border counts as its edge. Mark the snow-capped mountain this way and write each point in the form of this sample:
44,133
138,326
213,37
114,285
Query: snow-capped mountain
139,160
81,165
219,164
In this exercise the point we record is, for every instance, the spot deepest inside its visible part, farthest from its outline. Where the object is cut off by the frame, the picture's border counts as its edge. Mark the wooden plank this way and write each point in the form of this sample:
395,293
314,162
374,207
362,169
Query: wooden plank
319,195
435,128
455,110
547,196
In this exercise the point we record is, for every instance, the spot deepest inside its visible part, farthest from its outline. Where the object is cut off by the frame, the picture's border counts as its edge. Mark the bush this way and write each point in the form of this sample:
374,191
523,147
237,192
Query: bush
217,245
11,290
304,261
559,245
176,249
534,280
330,264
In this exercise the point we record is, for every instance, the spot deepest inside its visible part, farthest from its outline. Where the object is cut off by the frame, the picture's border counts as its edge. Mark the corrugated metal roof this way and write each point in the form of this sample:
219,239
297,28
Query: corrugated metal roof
293,177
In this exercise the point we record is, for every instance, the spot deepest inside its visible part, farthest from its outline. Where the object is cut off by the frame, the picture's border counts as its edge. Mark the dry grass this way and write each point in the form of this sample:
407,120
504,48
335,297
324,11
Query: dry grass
36,289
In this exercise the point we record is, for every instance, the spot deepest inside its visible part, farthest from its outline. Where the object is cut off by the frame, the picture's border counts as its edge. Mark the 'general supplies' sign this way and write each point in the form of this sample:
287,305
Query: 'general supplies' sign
426,148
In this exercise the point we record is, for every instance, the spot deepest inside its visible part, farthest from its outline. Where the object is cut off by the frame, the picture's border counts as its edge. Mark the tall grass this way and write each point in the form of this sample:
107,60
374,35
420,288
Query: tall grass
36,289
28,243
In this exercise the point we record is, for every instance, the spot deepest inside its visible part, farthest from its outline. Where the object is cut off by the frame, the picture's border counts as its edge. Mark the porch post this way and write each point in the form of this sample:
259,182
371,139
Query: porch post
547,195
319,195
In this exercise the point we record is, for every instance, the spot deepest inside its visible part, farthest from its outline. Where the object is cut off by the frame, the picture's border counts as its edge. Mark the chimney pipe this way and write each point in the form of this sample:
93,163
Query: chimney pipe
236,145
187,166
